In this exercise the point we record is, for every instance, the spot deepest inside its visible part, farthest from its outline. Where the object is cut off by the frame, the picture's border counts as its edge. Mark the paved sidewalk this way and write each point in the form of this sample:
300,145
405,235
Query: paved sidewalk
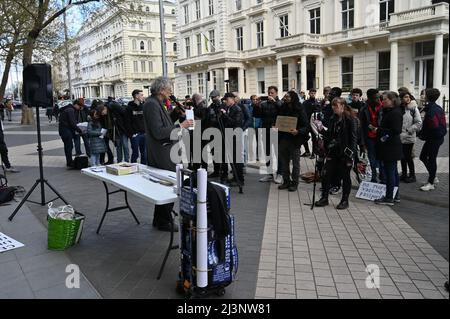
324,253
34,271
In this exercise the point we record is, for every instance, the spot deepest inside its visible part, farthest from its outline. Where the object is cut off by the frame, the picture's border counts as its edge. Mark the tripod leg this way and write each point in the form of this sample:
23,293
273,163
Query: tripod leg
56,192
24,200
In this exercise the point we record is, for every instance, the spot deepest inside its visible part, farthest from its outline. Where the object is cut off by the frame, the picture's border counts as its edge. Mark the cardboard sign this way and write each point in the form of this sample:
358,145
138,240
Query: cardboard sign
286,123
7,243
372,191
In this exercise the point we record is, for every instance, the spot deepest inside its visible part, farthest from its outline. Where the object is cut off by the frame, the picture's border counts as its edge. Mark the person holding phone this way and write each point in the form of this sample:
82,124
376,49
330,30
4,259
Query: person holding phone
340,144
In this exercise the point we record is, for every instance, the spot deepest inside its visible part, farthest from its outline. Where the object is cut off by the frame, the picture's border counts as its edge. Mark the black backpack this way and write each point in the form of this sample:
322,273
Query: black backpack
7,194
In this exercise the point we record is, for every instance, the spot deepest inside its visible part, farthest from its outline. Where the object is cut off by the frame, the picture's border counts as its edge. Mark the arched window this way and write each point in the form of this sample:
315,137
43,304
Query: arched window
174,47
173,11
142,46
147,9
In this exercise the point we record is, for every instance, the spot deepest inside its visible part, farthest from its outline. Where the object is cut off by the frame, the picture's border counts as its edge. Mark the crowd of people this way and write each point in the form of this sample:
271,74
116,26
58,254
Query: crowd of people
335,131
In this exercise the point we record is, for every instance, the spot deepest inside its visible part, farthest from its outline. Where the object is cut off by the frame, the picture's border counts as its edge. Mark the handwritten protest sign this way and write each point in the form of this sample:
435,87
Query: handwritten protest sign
372,191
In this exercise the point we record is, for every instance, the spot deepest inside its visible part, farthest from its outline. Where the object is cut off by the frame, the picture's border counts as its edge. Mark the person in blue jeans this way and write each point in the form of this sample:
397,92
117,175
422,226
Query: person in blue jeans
388,146
433,132
370,114
121,130
136,115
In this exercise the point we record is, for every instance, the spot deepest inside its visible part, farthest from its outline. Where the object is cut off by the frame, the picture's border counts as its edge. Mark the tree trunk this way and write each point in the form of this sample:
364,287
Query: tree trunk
8,62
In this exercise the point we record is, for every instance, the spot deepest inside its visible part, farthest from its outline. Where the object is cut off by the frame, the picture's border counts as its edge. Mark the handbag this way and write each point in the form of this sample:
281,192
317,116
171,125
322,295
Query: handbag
7,194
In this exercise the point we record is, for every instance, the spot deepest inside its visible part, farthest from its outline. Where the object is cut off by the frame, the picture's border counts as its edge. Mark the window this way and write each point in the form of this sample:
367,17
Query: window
201,88
143,67
238,4
174,28
135,66
348,14
141,26
386,8
260,34
149,45
239,39
142,46
174,47
347,73
188,47
186,14
211,7
147,9
148,26
315,21
150,66
134,44
214,77
284,25
212,40
285,76
189,84
261,81
197,9
199,44
384,65
173,11
424,49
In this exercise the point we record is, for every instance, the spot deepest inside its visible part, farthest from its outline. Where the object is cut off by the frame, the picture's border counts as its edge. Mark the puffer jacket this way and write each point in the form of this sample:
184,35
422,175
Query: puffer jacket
97,144
412,124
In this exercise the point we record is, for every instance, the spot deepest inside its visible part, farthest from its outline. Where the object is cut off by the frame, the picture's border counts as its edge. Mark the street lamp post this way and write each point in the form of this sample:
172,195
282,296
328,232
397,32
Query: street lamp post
163,39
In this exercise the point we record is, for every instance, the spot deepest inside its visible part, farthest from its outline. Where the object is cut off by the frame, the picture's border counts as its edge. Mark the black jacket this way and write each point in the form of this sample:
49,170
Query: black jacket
136,117
341,134
297,111
267,112
233,117
67,119
82,115
390,128
311,106
212,115
121,122
357,106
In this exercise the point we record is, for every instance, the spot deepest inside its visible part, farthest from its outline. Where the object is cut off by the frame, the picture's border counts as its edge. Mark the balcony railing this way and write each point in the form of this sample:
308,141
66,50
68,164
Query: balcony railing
356,33
298,39
420,14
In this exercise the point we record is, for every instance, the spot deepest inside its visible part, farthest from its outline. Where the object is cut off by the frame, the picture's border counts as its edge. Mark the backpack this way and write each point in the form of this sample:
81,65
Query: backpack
7,194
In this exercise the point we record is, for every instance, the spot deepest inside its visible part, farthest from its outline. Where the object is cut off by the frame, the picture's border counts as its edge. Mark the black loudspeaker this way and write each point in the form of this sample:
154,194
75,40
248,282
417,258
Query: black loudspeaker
37,85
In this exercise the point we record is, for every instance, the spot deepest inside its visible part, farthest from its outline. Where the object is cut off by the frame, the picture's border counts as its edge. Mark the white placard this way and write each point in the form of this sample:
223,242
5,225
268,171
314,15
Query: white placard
372,191
190,116
7,243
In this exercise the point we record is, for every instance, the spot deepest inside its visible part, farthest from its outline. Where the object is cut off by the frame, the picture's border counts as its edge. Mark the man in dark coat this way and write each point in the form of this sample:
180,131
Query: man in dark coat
136,117
158,128
67,128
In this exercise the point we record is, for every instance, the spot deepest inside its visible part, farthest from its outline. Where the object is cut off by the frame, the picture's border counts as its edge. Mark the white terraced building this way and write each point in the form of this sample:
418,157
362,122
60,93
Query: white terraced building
117,52
249,45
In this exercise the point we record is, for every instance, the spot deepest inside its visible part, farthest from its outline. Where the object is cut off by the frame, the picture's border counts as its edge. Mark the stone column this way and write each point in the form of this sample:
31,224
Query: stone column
438,61
280,74
393,80
304,78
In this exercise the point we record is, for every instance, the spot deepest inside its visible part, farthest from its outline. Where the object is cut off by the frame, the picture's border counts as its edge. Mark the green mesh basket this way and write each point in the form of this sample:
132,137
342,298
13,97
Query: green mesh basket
63,234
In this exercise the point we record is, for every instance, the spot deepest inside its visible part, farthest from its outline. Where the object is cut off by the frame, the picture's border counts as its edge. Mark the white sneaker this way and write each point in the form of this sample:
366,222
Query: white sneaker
267,178
436,180
12,170
278,179
428,187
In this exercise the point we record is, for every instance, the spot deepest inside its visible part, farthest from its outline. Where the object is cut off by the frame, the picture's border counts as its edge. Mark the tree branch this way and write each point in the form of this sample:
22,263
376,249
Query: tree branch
58,13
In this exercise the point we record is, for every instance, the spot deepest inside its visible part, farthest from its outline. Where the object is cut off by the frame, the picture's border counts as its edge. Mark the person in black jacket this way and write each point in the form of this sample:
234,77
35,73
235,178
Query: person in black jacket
136,117
289,143
433,131
388,145
310,106
356,104
267,111
340,142
231,117
211,121
67,128
81,116
121,130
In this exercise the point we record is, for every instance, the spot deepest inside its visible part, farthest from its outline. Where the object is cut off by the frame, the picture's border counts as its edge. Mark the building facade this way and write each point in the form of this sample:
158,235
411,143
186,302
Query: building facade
248,45
117,52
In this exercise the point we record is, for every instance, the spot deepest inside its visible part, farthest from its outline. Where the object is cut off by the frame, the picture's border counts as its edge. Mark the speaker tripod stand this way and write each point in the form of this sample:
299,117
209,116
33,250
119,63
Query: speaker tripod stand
41,181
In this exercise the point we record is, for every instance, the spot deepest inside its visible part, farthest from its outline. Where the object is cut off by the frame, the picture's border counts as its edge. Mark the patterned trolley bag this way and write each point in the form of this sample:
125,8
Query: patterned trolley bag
222,252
